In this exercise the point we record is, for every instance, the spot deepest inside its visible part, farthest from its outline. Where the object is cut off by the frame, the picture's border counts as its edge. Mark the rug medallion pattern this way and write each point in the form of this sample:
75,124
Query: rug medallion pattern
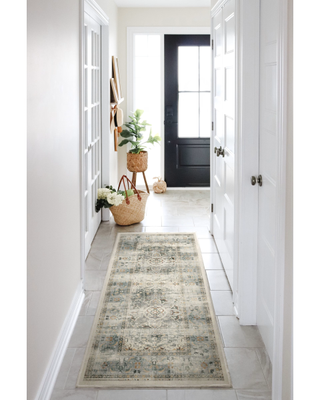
155,325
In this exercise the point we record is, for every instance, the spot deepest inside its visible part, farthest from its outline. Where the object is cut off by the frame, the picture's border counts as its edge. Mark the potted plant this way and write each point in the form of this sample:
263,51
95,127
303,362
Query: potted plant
137,157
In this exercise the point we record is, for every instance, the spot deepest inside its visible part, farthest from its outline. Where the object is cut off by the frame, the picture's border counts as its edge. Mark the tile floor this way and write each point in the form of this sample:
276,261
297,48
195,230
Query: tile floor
248,362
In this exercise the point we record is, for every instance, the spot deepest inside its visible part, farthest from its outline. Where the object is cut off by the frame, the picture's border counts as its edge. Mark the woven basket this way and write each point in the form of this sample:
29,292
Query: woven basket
137,162
132,210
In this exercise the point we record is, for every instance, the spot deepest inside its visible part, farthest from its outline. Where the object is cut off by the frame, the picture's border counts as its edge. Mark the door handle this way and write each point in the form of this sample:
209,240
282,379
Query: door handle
255,180
219,151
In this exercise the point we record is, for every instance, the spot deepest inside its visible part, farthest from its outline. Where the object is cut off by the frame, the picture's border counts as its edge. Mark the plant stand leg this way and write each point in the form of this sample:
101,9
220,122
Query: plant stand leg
145,181
134,179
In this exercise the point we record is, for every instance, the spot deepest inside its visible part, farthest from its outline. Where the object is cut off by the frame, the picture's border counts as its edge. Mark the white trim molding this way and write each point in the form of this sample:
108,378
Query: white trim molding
277,357
96,11
216,8
60,348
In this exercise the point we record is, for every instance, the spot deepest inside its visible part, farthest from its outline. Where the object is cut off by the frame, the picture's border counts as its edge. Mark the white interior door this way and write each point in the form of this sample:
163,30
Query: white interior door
269,159
223,159
92,126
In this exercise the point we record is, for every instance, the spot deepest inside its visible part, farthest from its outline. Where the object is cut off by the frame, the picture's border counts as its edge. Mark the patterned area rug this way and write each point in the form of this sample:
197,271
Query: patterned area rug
155,326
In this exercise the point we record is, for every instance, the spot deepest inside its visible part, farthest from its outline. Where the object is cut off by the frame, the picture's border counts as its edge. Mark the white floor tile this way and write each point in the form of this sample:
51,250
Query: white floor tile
132,395
236,335
72,378
94,280
76,394
162,229
222,302
201,231
93,304
64,369
81,332
211,261
177,221
207,246
253,395
202,394
265,364
217,280
245,369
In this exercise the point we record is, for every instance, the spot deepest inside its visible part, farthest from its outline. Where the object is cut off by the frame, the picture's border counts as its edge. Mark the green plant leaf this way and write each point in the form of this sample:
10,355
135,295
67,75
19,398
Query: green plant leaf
125,141
136,150
138,114
126,134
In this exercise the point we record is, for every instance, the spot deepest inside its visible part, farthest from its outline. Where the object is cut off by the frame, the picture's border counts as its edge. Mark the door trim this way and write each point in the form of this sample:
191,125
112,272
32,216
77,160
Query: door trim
96,12
131,31
277,361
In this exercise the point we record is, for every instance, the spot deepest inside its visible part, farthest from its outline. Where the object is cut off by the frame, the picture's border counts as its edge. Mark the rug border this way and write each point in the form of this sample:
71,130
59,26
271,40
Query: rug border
118,385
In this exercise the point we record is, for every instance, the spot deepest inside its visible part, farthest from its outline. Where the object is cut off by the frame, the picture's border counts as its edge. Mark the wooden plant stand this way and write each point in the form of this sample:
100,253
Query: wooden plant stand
134,180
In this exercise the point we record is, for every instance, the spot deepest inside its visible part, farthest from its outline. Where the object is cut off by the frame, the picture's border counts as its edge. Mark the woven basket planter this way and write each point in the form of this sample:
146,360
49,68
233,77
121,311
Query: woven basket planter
137,162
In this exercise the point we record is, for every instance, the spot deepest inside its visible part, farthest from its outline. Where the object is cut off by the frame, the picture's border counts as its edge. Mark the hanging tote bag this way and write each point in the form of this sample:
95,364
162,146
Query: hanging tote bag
132,209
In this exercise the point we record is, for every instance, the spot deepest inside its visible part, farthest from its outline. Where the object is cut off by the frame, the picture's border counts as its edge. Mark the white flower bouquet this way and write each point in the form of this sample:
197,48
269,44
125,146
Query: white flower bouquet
108,197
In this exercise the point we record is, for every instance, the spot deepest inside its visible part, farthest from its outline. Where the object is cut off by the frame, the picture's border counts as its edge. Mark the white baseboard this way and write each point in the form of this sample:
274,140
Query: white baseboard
51,373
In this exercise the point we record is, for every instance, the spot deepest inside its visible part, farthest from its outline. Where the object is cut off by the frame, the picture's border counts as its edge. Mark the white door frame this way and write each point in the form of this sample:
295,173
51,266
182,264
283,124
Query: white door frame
247,141
130,46
99,15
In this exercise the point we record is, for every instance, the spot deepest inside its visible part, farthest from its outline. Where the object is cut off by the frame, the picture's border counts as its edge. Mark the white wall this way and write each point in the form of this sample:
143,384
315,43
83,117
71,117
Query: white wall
155,17
54,171
53,176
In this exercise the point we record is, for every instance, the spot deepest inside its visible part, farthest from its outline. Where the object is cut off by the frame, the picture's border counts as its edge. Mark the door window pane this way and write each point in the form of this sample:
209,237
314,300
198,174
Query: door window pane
188,68
194,83
188,115
205,116
205,66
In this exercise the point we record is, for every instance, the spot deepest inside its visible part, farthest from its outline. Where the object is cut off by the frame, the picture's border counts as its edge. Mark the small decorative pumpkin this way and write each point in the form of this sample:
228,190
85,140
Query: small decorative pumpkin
160,186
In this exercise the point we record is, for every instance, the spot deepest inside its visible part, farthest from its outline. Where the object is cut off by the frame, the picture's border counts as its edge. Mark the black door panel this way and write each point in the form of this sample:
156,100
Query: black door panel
187,159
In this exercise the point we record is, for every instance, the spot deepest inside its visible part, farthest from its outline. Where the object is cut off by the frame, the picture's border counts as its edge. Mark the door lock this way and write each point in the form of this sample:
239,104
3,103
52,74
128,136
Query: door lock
219,151
255,180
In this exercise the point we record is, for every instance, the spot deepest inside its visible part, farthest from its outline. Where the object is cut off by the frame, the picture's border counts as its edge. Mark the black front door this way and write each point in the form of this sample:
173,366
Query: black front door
187,110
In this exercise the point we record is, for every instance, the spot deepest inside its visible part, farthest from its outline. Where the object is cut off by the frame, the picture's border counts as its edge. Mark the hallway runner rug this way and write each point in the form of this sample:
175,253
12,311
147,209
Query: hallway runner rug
155,325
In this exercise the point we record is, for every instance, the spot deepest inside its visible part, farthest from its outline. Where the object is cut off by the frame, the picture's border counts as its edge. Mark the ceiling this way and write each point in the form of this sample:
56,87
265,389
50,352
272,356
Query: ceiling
163,3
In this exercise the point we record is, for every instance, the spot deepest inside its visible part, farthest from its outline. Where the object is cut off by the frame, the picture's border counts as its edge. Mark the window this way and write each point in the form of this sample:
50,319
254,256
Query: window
194,91
147,94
